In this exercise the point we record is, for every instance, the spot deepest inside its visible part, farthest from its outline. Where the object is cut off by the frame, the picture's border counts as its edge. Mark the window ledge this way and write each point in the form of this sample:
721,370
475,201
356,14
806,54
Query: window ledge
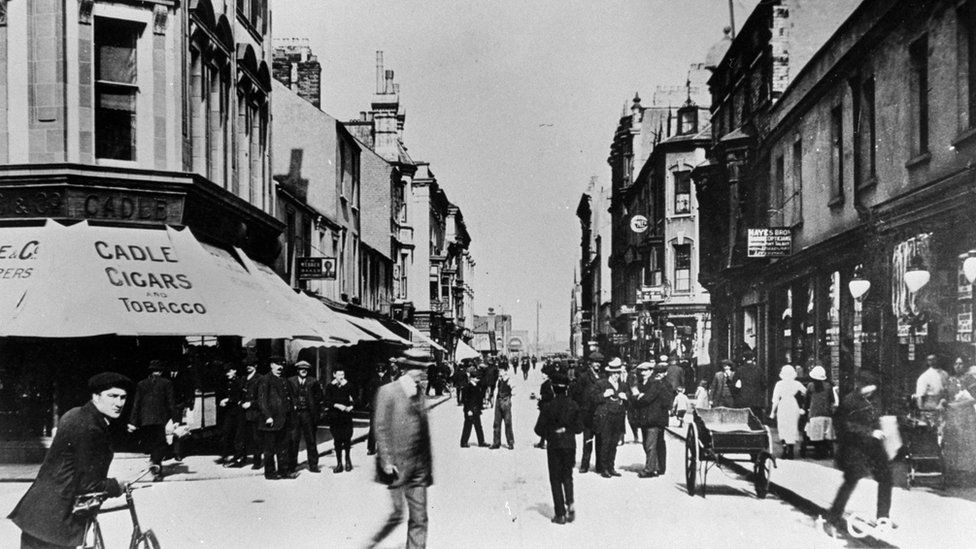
919,160
868,183
836,201
681,215
964,137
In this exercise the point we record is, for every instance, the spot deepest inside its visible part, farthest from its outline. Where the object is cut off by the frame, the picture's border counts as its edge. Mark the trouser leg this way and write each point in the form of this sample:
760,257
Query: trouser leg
394,519
843,495
311,443
556,481
268,442
566,464
466,430
650,450
155,439
509,432
598,447
496,429
662,452
587,448
881,471
416,497
478,432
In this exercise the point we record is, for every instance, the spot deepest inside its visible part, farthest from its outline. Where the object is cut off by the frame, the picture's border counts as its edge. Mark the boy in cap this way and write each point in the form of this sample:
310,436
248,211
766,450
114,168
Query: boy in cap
559,422
77,463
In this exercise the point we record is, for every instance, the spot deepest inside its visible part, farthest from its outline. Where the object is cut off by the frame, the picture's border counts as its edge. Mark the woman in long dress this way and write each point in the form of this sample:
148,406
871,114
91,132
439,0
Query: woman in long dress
786,409
820,404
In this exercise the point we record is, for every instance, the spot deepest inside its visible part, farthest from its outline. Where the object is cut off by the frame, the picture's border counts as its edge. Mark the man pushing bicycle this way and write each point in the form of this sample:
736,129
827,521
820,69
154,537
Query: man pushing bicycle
77,463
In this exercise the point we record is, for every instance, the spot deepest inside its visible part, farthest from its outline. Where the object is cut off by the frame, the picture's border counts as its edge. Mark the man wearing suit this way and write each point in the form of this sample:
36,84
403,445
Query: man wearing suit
308,400
472,399
249,442
609,416
277,406
153,407
720,391
559,421
503,412
748,388
581,393
77,463
404,450
230,417
651,399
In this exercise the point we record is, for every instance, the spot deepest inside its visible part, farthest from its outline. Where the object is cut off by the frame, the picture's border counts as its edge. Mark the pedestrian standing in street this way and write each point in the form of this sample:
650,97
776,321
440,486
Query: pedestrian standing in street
308,402
503,411
861,451
460,379
184,394
749,391
581,391
559,422
720,391
632,379
609,416
651,398
701,395
339,401
277,405
819,408
76,463
250,443
471,401
404,450
488,380
153,407
786,410
675,374
680,406
546,394
375,382
230,416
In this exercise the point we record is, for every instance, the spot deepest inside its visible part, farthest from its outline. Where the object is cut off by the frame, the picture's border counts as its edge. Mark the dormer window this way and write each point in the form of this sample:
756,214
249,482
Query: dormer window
687,120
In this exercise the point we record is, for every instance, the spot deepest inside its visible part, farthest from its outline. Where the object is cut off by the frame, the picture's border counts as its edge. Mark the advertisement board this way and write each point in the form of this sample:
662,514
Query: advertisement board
771,242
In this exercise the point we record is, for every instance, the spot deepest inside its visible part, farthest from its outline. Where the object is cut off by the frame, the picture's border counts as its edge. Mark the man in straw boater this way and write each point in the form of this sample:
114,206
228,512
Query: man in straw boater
403,448
559,422
77,463
609,416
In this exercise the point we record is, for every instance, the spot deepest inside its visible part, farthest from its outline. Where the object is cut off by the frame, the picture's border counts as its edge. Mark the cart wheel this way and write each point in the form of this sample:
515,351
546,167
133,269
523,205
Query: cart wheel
691,458
762,470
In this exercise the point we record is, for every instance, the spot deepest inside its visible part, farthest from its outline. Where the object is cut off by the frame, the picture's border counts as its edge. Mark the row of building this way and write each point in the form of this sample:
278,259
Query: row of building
832,191
170,188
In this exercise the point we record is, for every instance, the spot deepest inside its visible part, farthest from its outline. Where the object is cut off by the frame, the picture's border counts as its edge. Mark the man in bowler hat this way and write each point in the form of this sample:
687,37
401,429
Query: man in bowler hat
250,441
559,422
76,463
581,393
404,450
277,405
472,400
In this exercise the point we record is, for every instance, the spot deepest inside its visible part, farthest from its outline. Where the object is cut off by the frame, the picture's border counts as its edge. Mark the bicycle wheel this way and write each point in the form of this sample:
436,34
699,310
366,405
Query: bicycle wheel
148,541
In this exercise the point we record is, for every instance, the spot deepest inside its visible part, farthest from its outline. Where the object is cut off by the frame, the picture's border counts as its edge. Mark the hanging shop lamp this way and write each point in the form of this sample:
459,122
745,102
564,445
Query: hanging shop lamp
859,285
969,269
916,276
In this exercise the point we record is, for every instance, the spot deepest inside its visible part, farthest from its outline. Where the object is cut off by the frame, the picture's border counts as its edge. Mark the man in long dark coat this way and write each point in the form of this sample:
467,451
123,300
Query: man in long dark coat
580,391
472,400
749,391
77,463
559,422
308,401
230,416
250,442
651,399
609,416
152,408
277,406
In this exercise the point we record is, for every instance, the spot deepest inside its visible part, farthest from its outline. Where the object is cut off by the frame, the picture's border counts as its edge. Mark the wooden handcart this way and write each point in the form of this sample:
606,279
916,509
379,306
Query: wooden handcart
731,435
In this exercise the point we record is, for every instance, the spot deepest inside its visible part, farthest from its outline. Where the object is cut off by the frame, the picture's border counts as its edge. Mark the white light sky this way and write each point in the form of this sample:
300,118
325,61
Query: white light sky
514,103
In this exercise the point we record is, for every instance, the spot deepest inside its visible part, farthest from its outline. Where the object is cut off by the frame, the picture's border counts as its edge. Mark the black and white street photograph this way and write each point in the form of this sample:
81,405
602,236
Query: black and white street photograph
287,274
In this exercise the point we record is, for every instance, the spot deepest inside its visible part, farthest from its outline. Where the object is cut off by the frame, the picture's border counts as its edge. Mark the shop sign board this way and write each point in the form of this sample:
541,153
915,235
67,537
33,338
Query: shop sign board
81,203
638,224
771,242
650,294
315,267
964,327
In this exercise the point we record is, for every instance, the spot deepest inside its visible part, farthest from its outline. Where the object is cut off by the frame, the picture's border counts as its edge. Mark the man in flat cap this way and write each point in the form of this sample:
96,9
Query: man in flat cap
404,450
308,401
76,463
559,422
152,408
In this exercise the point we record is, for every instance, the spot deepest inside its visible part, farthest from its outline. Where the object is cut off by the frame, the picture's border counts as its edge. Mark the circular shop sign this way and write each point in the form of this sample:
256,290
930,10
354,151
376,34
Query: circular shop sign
638,223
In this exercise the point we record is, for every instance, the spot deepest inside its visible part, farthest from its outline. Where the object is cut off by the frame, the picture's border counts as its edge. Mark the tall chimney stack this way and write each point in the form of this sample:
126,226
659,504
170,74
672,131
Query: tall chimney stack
379,71
389,82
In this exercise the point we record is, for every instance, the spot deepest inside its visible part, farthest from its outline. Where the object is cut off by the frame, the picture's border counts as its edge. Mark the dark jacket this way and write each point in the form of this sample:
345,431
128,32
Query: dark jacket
720,392
233,391
253,412
559,413
580,392
610,410
334,394
275,401
313,394
751,393
472,398
546,394
77,463
675,376
153,403
855,420
652,403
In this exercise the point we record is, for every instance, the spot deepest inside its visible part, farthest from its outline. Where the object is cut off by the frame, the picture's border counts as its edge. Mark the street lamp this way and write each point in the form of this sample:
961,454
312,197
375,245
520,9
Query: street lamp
858,285
969,269
916,276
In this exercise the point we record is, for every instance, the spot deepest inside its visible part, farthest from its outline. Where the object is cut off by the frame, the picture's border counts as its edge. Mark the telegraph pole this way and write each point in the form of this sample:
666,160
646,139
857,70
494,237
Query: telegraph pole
732,20
538,306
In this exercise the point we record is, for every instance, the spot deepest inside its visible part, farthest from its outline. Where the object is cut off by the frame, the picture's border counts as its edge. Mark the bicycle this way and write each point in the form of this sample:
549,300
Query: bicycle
90,506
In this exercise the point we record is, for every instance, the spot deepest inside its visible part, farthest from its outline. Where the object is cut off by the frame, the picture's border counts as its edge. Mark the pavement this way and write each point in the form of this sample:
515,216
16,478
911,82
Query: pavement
501,498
